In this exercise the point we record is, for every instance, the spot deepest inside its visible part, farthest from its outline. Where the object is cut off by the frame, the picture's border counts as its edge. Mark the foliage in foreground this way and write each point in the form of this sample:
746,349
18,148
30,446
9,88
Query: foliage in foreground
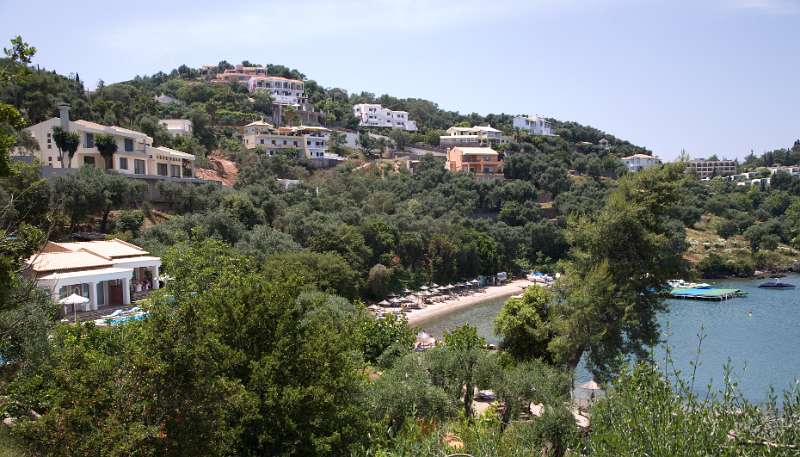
645,414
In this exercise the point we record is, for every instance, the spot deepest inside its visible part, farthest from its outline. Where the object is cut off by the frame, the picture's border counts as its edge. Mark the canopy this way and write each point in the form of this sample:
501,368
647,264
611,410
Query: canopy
73,299
590,385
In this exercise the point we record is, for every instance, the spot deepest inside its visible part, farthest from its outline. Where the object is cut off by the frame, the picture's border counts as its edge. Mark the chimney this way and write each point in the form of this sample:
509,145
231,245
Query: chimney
63,113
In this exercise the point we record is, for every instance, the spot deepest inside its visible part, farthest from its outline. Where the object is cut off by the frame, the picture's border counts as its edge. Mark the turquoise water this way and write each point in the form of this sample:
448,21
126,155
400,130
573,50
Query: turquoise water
763,348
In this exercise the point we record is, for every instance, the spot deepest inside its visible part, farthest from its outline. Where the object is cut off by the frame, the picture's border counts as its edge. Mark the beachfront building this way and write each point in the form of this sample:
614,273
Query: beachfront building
482,162
533,125
375,115
472,136
707,168
177,127
136,156
310,141
638,162
106,273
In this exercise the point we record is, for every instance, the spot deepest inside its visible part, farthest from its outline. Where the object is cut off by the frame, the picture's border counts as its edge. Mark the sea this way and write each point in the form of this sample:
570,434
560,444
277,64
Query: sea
757,336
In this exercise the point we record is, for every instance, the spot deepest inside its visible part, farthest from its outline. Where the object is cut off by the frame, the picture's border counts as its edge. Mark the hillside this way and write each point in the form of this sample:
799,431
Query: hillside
217,111
715,255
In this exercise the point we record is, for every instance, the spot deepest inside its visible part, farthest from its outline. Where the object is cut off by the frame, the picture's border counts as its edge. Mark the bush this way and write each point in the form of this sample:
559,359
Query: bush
130,221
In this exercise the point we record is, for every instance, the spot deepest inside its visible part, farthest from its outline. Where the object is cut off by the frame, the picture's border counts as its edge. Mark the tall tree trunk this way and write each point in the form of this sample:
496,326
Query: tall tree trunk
468,402
104,221
506,417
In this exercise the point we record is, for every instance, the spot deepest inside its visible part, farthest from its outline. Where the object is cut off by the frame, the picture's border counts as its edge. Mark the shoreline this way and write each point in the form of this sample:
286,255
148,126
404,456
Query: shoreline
420,316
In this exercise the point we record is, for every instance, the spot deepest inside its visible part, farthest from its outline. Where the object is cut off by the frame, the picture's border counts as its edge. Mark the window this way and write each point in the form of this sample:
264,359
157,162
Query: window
175,171
89,141
123,163
161,169
128,145
88,161
138,167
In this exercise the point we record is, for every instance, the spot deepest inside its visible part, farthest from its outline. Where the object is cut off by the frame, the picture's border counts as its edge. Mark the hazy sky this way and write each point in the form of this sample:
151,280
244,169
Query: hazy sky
711,76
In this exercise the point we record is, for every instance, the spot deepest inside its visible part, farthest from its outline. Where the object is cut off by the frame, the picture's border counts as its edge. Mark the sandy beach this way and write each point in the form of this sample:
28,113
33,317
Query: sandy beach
419,316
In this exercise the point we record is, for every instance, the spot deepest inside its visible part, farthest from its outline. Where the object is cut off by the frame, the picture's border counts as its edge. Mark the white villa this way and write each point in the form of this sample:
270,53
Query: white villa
284,91
177,127
375,115
136,156
107,273
534,125
472,136
310,140
638,162
239,73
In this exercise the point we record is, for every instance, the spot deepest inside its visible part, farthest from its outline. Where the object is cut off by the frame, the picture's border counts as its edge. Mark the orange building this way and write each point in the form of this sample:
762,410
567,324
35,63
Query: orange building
481,162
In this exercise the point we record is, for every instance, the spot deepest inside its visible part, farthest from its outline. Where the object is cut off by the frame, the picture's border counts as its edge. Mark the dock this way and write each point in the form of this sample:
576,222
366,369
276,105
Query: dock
706,294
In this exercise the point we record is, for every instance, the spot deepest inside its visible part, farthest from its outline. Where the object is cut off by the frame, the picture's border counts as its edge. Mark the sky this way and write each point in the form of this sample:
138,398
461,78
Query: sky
708,76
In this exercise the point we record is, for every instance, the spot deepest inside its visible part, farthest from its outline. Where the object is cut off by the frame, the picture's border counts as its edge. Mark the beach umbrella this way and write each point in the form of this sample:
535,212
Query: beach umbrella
406,291
590,385
423,288
423,338
384,303
434,285
73,299
449,286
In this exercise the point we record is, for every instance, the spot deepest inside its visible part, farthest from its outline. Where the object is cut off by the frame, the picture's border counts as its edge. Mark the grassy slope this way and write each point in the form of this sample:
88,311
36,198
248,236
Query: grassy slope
703,240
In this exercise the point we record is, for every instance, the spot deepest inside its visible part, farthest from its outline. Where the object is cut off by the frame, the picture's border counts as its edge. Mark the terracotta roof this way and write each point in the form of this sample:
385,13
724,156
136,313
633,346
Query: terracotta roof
110,249
60,261
85,255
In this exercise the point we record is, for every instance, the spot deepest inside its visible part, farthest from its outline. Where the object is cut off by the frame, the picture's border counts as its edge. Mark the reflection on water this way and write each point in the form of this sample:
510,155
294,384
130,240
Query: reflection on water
759,334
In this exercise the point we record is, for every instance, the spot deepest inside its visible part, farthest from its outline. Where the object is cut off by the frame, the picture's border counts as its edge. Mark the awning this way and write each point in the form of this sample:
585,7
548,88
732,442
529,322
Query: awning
138,262
56,280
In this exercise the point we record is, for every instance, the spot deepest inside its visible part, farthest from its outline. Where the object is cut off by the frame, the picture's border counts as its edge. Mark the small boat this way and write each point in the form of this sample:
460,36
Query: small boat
776,285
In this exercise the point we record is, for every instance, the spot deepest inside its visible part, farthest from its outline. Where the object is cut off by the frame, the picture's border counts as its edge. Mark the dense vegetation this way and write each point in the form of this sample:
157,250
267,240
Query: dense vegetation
261,344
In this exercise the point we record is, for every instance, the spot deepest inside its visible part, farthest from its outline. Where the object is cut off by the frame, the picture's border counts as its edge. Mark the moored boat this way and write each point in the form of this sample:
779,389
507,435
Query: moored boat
776,285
